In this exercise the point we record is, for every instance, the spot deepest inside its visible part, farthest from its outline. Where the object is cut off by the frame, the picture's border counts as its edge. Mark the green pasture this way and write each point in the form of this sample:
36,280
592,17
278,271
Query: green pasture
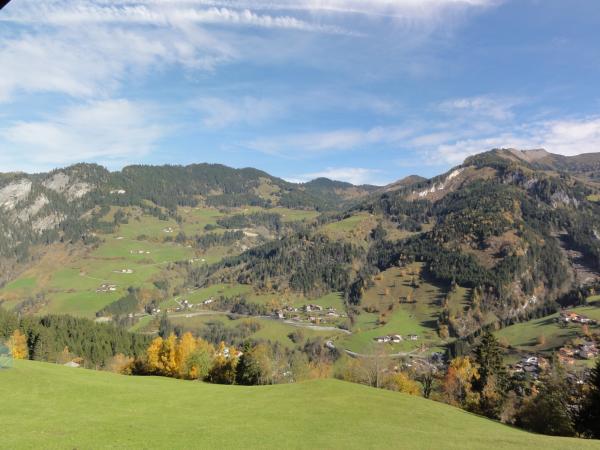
56,407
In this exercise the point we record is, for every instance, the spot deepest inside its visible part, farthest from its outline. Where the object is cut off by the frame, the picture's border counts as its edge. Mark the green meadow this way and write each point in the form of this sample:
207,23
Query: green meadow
387,311
50,406
270,329
545,334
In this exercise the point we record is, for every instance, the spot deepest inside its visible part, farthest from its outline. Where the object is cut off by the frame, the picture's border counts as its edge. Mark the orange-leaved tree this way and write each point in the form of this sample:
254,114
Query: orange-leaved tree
458,387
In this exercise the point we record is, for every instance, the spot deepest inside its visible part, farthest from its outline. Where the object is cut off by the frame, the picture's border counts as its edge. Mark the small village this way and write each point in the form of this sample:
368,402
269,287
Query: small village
567,317
396,338
568,354
531,365
315,314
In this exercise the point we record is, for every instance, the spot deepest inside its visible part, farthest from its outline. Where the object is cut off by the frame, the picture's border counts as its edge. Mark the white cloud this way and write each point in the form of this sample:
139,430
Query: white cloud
562,136
482,107
220,113
91,48
393,8
165,14
109,131
307,144
571,137
95,61
354,175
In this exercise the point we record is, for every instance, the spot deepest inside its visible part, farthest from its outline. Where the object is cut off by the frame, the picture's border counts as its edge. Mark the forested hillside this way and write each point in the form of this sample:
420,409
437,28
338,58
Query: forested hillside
315,280
70,204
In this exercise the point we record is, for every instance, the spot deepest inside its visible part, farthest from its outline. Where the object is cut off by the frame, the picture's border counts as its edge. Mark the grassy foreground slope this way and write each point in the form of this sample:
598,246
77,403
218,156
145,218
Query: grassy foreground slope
50,406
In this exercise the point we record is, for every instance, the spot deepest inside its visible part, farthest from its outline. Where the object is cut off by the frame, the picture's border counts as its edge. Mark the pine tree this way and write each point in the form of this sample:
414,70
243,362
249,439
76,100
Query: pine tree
549,412
589,416
492,376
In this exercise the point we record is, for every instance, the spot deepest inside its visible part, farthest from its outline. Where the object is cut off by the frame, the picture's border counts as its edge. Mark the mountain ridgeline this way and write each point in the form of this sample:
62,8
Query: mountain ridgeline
69,204
518,228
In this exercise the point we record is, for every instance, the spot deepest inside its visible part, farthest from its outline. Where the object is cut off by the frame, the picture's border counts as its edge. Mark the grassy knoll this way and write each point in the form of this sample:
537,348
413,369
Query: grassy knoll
333,299
69,280
397,306
148,226
195,219
132,250
458,300
79,304
294,215
50,406
526,336
287,214
355,228
270,329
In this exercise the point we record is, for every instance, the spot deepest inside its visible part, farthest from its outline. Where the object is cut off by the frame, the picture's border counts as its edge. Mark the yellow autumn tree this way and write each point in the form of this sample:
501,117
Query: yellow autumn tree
153,355
224,366
18,345
458,387
185,347
120,364
168,356
401,382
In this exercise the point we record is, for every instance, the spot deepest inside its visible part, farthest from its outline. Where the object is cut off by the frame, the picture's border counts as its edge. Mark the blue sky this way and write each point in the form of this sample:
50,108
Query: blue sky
362,91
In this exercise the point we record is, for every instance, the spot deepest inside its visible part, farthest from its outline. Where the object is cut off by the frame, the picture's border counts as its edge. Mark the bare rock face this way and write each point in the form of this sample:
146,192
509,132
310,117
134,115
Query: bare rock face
61,182
58,182
33,209
47,223
78,190
13,193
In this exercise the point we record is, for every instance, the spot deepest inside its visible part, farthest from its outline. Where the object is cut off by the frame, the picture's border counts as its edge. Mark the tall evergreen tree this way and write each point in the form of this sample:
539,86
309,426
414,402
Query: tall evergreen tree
549,412
589,416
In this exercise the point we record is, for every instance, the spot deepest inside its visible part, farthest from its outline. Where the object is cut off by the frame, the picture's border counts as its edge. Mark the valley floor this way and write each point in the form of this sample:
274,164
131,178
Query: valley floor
51,406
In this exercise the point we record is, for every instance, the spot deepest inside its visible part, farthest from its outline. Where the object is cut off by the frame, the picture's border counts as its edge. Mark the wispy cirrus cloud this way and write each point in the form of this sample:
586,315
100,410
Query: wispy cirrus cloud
86,47
498,108
88,62
390,8
166,14
219,112
310,144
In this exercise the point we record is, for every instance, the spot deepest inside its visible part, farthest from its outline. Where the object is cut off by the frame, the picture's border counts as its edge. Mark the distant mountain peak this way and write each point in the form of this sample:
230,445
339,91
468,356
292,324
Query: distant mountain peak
532,155
403,182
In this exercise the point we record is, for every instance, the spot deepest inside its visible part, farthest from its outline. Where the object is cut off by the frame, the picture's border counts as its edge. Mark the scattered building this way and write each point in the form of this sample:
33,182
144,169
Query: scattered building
573,317
531,365
589,350
107,288
394,338
139,252
72,364
311,307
